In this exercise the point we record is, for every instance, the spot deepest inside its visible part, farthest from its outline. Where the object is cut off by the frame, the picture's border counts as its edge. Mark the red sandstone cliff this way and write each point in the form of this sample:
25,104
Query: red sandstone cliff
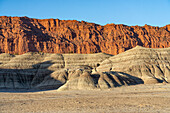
19,35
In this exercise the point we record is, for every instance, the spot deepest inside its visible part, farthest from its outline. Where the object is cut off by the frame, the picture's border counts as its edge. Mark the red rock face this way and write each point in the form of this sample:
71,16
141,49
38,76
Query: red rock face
19,35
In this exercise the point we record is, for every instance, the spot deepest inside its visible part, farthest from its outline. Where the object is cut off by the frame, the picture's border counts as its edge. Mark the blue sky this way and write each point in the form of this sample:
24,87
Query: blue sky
129,12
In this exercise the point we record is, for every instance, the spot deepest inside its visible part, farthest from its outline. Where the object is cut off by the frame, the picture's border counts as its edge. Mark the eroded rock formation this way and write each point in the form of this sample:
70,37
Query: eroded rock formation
151,65
45,70
20,35
35,70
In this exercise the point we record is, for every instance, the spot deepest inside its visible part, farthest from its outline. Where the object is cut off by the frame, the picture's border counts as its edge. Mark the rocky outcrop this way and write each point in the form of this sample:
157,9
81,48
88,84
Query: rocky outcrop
151,65
20,35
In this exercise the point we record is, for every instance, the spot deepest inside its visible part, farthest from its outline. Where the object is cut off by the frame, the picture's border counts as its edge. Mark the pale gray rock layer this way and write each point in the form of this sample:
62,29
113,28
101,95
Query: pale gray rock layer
84,71
151,65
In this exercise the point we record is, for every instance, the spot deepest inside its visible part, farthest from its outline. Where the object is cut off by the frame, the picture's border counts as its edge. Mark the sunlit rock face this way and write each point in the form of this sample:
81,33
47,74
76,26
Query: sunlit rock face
20,35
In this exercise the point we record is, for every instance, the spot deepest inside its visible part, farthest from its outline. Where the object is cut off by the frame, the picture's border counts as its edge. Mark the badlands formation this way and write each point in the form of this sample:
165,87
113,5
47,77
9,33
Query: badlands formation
34,70
43,54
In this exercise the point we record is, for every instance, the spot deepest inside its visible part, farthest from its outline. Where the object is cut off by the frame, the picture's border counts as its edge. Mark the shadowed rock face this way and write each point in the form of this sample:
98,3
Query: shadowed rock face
20,35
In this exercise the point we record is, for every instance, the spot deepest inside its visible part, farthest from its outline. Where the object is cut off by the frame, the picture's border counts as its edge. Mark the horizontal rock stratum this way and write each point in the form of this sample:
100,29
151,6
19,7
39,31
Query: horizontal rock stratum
20,35
45,70
151,65
35,70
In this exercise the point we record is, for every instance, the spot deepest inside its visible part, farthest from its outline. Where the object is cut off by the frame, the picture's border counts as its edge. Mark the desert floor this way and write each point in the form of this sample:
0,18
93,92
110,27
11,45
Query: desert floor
137,98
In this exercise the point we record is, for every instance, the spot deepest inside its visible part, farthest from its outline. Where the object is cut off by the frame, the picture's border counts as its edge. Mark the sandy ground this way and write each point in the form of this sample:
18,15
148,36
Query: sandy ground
138,98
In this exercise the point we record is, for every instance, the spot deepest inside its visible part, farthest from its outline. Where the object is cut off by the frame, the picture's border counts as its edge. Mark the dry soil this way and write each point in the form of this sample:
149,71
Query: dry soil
137,98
